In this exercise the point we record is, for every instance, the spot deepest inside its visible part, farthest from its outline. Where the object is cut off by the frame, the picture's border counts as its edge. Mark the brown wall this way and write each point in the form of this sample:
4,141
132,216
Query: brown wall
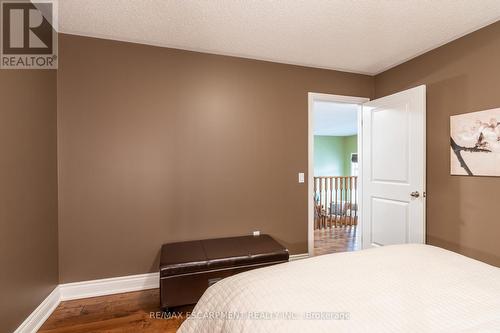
159,145
463,76
28,192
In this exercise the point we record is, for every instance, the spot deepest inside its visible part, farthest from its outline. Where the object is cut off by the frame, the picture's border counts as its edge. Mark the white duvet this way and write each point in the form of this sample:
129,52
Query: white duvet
400,288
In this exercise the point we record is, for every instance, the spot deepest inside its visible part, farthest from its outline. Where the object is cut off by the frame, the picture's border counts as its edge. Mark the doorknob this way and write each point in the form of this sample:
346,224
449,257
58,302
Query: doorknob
415,194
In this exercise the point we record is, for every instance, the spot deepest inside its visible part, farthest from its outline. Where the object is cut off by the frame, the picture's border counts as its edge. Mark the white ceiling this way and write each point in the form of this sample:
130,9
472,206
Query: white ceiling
362,36
335,119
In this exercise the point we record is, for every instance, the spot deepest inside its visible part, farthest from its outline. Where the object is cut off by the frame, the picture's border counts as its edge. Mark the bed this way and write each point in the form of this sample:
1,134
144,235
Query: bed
399,288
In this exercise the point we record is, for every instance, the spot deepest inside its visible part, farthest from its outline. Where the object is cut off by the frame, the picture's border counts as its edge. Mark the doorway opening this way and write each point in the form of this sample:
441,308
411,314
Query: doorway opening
334,173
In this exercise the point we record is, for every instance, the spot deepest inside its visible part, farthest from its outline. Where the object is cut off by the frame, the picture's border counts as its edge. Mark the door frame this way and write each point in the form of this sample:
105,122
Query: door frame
312,97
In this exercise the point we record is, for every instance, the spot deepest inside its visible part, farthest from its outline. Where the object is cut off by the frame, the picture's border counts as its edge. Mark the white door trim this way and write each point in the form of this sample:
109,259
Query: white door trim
312,97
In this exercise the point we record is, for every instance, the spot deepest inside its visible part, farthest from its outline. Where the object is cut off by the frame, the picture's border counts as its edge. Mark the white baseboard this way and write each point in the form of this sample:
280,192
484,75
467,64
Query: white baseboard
85,289
94,288
36,319
109,286
123,284
294,257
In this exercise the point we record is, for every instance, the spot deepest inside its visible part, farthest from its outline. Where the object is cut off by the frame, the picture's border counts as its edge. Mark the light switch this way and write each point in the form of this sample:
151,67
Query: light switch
301,177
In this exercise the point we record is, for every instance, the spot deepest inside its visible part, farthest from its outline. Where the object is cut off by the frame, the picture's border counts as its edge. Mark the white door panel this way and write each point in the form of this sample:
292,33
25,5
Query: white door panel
393,168
389,228
387,124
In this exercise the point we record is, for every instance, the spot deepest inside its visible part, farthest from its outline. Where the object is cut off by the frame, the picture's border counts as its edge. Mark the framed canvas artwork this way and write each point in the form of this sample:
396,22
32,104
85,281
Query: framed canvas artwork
475,143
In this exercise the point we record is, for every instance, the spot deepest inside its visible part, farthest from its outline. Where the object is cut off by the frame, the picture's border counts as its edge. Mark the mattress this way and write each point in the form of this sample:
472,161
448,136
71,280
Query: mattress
398,288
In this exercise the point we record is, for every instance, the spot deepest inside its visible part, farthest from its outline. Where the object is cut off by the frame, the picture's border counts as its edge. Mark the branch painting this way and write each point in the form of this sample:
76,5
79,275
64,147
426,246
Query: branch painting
475,143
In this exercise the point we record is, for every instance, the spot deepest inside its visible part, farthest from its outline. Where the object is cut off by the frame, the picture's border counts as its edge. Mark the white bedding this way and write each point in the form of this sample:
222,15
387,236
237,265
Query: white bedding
399,288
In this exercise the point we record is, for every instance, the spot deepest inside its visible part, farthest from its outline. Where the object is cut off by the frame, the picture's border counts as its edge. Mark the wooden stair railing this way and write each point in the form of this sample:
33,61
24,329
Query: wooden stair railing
335,201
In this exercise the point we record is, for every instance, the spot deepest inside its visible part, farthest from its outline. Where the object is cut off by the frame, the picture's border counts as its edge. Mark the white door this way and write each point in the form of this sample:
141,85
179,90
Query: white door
393,207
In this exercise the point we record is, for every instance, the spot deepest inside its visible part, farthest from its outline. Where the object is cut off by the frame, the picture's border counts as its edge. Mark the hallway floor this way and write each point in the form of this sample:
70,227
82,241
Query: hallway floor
336,239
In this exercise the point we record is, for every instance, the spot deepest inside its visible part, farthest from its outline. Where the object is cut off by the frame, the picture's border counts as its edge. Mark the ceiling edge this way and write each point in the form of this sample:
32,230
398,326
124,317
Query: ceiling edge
199,50
236,55
449,40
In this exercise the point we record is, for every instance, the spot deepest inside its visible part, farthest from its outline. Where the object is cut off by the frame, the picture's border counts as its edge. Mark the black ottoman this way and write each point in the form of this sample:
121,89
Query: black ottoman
187,269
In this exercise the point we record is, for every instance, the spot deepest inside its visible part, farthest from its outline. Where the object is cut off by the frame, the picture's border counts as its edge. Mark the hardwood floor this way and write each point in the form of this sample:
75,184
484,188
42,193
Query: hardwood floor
140,311
336,239
121,313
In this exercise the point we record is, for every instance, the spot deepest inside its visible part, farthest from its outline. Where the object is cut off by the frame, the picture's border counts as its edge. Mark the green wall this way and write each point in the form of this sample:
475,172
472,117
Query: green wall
332,154
350,147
